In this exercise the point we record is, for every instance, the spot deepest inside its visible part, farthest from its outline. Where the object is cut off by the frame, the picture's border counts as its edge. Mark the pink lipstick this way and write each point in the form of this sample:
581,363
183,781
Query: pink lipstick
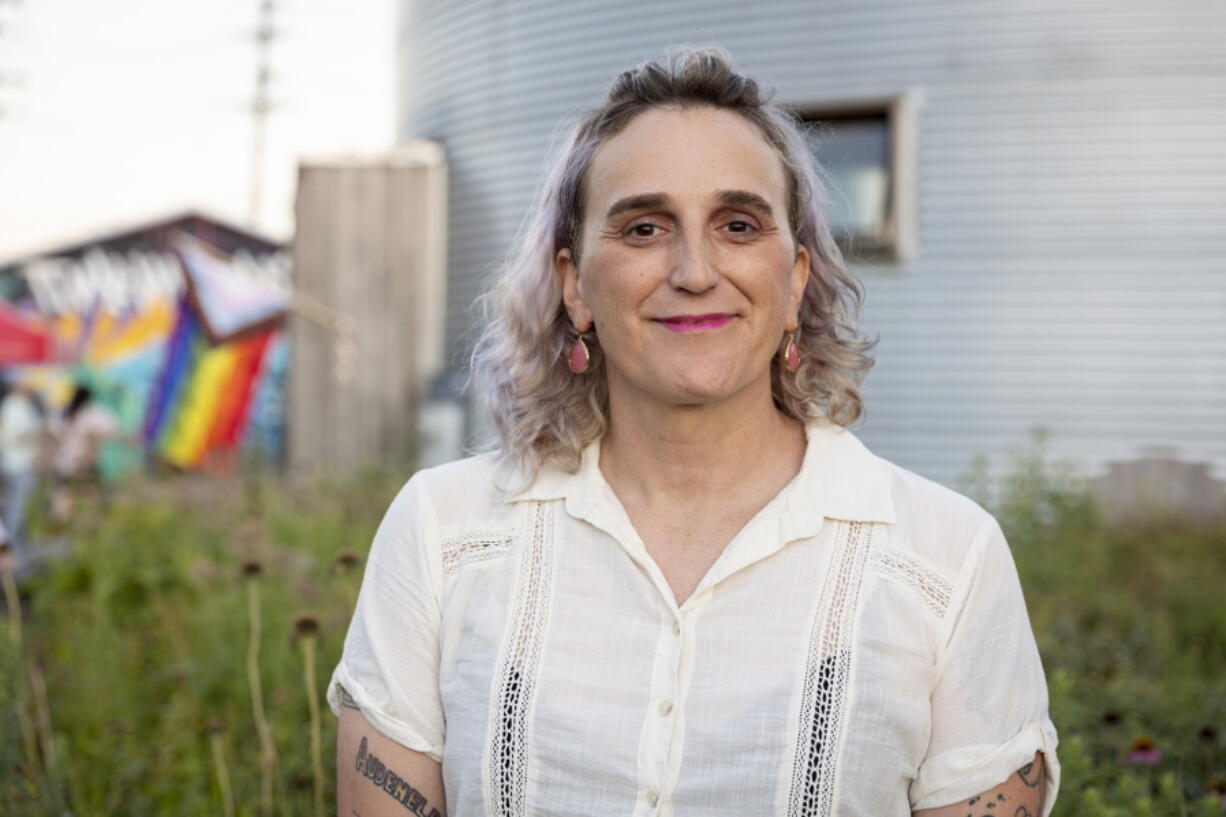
693,323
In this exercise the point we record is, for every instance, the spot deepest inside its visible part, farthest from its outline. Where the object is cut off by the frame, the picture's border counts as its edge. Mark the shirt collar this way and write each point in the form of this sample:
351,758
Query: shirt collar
839,478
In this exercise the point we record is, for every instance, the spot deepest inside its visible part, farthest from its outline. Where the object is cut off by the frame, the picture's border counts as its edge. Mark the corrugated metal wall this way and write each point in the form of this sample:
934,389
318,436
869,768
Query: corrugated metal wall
1070,193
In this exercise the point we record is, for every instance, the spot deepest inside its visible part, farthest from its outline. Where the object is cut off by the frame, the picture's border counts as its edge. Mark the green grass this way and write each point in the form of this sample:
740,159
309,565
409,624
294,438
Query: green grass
142,640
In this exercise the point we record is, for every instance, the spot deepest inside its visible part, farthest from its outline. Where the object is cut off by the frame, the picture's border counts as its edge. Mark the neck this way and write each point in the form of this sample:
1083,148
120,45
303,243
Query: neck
654,454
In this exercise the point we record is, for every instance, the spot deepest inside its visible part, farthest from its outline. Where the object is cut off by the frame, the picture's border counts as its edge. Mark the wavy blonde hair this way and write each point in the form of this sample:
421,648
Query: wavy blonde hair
541,410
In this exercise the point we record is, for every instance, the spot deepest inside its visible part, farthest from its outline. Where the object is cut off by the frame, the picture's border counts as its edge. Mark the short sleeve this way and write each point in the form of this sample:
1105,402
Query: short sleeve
391,655
989,697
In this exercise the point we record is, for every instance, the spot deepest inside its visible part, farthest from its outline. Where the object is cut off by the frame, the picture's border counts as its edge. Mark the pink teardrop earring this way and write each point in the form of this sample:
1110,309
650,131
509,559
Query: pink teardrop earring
791,352
579,357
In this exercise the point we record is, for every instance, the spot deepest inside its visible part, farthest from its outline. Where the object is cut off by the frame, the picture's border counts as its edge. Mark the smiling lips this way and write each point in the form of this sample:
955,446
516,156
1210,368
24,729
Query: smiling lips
693,323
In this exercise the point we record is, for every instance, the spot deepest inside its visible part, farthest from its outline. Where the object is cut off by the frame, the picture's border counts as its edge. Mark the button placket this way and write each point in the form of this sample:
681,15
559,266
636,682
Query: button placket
660,729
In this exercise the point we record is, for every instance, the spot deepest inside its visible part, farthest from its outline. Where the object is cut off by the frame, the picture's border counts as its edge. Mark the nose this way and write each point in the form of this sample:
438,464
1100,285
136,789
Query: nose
693,268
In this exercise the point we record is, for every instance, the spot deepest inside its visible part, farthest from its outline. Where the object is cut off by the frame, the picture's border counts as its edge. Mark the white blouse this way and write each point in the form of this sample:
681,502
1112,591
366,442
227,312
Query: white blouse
861,647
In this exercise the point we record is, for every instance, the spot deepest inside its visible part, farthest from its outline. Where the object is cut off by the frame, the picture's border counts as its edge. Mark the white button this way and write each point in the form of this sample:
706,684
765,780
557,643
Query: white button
653,798
666,707
676,628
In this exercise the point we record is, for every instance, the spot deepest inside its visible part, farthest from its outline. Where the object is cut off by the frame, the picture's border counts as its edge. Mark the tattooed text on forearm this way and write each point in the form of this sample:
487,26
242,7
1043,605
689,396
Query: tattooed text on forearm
392,783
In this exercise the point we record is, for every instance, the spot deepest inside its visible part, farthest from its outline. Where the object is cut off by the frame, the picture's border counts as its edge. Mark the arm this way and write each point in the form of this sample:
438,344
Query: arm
989,695
1020,796
377,777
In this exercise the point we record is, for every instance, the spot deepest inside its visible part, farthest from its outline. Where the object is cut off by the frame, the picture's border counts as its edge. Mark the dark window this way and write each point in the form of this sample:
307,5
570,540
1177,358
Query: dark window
859,150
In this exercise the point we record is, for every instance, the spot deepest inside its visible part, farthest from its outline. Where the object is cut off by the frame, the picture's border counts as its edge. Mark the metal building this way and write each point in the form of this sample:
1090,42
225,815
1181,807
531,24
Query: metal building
1045,217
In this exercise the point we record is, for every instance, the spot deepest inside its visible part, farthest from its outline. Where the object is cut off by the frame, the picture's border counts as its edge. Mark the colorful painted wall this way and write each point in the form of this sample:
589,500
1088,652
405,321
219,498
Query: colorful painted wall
178,328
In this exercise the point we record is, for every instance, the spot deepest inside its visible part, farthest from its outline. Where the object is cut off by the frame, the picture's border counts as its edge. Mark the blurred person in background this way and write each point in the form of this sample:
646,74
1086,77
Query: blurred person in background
86,424
21,442
680,585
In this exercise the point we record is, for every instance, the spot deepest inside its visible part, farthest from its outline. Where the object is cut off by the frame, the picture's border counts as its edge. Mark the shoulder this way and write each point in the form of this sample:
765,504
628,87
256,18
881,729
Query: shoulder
933,522
461,494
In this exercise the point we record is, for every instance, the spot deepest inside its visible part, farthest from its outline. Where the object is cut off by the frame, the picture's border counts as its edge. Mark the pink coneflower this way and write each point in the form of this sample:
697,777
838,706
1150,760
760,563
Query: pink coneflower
1144,752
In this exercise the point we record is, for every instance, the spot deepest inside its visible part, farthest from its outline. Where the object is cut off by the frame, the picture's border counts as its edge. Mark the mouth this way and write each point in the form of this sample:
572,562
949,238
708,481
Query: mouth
694,323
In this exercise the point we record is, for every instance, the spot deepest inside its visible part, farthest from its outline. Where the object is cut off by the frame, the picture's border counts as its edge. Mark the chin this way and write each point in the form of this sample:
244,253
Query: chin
691,379
697,389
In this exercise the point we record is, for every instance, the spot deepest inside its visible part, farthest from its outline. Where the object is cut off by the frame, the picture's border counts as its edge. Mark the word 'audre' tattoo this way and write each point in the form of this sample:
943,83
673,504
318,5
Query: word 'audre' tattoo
392,783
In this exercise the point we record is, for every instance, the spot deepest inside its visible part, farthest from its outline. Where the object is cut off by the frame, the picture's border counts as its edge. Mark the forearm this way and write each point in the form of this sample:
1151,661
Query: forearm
377,777
1021,795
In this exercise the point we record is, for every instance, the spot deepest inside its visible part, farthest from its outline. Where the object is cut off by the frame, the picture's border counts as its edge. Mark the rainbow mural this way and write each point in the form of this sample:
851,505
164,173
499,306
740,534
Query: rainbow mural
202,399
182,339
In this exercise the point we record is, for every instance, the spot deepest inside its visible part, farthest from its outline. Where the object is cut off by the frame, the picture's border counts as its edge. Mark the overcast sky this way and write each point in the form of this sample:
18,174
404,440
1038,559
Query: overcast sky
134,109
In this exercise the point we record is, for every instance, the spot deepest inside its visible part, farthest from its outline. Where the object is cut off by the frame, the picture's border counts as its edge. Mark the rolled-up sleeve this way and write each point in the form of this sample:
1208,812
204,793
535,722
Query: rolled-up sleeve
390,661
989,696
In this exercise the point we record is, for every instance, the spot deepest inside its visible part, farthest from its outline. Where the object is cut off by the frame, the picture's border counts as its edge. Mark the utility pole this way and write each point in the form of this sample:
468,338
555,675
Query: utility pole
261,105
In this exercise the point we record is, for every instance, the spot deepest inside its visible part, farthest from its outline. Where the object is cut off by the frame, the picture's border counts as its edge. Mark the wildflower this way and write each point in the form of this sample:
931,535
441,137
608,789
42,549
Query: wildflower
347,560
214,727
268,749
1111,719
1208,735
1144,752
1217,788
305,624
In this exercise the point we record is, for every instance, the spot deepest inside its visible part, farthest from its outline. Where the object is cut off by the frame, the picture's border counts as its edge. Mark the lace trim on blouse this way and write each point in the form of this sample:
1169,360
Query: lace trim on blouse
932,588
510,706
823,699
476,546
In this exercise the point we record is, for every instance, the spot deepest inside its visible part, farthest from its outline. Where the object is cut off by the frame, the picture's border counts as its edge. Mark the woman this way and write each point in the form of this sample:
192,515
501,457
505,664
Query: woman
84,427
680,585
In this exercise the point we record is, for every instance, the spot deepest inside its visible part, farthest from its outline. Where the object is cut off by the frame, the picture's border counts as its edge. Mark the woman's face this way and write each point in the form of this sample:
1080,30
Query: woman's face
688,270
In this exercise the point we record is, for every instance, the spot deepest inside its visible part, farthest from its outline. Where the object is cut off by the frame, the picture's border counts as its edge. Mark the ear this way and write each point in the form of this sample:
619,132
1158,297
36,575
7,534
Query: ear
568,280
799,280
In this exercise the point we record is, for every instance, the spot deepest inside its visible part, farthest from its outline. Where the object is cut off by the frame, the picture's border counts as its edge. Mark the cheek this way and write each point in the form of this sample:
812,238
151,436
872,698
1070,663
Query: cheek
613,292
767,281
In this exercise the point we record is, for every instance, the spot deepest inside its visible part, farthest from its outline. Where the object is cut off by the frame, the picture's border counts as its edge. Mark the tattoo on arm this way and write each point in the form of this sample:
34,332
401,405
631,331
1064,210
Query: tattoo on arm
347,700
997,805
391,783
989,802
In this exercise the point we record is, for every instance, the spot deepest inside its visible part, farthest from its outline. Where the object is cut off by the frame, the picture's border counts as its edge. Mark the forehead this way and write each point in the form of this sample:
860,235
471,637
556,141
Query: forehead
685,153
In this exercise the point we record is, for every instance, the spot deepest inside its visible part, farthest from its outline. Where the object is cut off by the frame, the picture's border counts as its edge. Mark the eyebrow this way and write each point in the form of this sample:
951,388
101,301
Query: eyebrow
728,198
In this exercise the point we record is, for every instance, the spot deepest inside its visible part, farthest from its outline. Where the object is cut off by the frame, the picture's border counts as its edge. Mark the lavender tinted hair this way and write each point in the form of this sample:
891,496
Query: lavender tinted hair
541,410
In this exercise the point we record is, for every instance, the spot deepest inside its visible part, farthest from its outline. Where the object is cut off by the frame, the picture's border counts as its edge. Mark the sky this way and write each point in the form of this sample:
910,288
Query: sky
130,110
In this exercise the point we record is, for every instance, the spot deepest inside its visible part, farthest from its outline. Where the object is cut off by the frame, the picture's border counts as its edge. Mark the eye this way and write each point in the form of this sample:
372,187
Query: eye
637,230
741,227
